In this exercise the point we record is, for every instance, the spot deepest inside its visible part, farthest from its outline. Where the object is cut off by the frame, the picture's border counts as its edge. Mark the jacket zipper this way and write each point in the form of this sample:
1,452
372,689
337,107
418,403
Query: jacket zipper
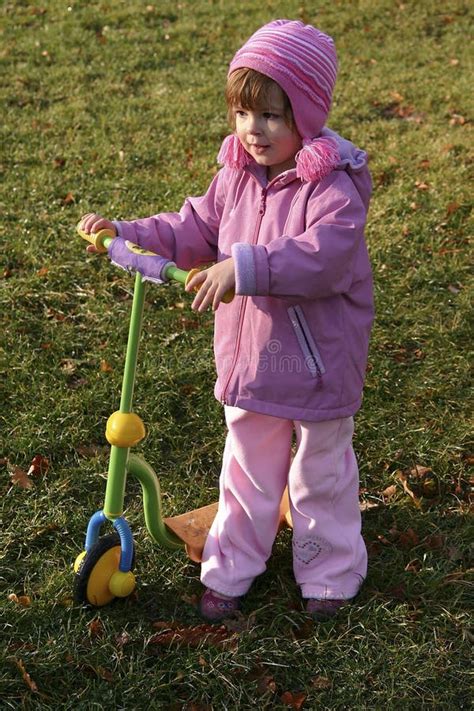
309,348
261,212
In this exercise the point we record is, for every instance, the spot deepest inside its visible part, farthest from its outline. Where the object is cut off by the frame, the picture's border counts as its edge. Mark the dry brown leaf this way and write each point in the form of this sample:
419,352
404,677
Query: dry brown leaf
266,683
105,367
321,682
390,491
452,207
22,600
294,699
406,539
191,636
96,628
19,477
39,465
68,199
434,541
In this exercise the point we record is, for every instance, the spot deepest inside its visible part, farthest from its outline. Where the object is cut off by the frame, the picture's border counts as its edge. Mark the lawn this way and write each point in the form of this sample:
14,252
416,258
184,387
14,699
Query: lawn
118,108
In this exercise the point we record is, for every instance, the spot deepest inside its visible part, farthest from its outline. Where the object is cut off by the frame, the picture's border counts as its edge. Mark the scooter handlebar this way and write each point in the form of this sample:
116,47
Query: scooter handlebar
102,239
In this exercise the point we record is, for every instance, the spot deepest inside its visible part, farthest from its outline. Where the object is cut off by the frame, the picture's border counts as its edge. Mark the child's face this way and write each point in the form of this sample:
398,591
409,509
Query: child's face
265,135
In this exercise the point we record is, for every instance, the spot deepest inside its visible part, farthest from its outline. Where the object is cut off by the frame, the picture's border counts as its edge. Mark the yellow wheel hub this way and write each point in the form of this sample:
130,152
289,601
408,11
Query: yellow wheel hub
98,590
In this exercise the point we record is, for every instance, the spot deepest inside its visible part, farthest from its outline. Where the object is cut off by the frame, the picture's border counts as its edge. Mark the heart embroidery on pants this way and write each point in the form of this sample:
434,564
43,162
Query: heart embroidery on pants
309,548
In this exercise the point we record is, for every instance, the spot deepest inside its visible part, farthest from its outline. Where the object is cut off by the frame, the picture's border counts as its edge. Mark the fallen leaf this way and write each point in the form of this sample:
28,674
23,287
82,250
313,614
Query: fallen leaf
26,677
96,628
43,271
22,600
408,539
434,541
191,636
39,465
452,207
105,367
68,199
295,700
457,120
19,477
266,683
390,491
420,185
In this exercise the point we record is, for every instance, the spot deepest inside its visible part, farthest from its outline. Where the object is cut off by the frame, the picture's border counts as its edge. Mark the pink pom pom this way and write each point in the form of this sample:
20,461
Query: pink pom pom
232,153
317,158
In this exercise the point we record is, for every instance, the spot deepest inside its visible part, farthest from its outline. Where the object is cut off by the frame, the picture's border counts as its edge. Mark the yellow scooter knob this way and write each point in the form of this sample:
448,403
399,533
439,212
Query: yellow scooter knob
122,584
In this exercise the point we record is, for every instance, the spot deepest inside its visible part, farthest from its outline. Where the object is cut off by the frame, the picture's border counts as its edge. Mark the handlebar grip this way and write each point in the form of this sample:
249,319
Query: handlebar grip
228,296
97,238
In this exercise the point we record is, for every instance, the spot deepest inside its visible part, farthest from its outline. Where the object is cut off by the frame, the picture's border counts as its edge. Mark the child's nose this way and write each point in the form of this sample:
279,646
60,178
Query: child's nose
254,124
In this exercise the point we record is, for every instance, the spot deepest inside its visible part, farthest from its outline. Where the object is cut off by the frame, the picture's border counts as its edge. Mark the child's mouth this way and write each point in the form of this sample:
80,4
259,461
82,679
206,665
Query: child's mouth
260,149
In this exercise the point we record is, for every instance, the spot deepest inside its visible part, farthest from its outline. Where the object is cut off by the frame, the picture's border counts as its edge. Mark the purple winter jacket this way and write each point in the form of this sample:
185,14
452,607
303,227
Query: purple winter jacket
293,343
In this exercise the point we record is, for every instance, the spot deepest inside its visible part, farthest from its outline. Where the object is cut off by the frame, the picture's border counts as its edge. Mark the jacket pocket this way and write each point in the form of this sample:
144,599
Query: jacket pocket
312,357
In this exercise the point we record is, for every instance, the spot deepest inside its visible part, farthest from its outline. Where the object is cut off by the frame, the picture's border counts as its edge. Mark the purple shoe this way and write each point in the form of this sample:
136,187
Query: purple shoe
322,610
214,608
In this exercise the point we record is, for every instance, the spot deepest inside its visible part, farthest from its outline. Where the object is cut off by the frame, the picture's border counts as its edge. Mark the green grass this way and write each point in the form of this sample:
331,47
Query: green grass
120,105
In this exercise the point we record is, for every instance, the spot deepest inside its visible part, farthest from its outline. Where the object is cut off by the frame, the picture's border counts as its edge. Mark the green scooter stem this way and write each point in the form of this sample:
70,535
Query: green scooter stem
121,461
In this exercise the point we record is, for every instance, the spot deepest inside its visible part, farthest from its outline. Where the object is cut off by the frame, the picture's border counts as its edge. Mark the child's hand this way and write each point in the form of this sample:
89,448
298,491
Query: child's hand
213,283
92,223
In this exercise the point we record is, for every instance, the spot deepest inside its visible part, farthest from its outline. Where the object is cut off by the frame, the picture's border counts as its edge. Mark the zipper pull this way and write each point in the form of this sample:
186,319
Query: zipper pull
263,203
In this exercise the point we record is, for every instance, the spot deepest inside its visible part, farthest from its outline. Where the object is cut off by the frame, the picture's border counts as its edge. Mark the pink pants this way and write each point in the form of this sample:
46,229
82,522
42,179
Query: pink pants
329,555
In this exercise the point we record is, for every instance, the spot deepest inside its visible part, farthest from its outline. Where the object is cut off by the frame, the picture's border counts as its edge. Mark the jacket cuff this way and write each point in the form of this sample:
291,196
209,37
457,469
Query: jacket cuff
251,269
126,230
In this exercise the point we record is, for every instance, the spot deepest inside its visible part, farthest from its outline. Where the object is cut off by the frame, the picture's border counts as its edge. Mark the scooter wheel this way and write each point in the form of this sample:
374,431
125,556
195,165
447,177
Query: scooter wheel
101,562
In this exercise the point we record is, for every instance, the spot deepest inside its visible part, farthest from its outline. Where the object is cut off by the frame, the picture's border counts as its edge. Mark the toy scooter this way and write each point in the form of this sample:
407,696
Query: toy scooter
104,569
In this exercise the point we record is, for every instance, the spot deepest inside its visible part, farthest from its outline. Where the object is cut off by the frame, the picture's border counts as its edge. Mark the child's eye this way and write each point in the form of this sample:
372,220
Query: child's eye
270,116
239,112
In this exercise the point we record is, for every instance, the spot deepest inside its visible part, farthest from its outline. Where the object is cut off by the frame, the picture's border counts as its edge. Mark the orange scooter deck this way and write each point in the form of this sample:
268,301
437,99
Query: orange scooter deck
193,527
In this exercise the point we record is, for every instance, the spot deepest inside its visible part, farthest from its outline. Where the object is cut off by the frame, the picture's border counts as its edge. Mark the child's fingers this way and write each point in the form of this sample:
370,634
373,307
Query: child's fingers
218,297
84,218
88,221
196,281
204,297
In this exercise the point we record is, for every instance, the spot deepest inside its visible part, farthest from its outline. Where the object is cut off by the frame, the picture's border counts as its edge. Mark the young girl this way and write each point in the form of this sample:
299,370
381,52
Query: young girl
284,221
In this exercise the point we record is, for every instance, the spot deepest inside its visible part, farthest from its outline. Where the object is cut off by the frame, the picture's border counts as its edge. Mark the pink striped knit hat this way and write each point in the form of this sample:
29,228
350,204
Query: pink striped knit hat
302,60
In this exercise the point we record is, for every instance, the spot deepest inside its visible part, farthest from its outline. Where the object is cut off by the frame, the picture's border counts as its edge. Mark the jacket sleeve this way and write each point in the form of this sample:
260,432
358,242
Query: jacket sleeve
188,237
317,263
